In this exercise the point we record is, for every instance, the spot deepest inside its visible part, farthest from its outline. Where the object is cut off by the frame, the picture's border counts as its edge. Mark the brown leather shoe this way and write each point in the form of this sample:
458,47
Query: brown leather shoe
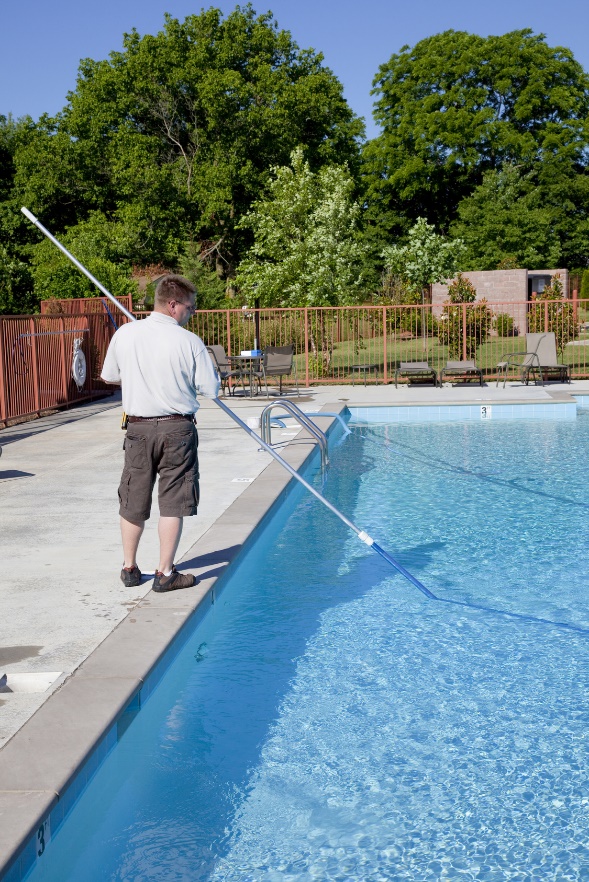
131,576
172,582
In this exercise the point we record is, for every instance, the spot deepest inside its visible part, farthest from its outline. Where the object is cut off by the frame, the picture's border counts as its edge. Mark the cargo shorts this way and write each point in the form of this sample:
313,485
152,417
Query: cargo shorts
168,449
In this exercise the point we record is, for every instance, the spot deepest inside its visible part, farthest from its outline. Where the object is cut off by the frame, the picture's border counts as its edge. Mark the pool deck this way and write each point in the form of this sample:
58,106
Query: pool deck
67,618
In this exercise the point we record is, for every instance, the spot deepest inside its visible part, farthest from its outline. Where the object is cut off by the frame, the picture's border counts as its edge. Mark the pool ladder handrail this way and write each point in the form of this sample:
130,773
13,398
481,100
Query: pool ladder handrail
298,414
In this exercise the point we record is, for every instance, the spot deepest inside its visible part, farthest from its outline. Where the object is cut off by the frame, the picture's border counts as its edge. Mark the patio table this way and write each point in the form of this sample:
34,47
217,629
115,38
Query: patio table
248,364
365,368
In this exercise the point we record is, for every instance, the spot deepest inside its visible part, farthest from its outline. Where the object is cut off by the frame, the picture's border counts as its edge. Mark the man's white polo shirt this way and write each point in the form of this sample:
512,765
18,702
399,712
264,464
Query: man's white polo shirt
161,366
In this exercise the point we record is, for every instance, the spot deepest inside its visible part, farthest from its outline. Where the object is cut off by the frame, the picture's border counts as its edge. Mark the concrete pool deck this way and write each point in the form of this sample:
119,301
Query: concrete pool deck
66,616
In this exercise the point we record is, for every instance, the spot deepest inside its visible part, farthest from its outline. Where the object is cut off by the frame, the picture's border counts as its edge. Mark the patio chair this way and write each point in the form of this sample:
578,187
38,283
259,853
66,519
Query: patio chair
465,369
223,367
418,370
539,358
278,361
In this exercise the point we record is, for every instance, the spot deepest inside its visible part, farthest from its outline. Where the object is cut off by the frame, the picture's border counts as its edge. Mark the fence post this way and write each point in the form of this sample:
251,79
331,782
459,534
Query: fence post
63,367
545,316
306,347
384,346
228,322
575,304
36,390
3,402
464,331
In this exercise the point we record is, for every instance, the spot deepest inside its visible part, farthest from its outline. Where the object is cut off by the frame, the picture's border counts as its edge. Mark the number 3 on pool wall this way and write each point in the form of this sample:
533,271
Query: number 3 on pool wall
486,411
43,837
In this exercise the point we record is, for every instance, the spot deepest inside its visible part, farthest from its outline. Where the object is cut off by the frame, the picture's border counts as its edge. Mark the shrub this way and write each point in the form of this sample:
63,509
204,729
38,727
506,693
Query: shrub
454,329
549,312
504,324
410,320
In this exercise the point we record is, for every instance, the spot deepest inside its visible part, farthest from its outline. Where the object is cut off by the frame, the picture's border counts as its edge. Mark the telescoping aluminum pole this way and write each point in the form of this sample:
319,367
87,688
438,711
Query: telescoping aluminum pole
364,537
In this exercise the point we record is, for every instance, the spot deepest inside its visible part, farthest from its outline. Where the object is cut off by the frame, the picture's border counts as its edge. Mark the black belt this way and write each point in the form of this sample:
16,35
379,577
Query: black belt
169,416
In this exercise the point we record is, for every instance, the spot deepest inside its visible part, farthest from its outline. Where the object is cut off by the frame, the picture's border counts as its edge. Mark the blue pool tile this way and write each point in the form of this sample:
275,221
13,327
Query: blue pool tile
456,412
14,874
28,857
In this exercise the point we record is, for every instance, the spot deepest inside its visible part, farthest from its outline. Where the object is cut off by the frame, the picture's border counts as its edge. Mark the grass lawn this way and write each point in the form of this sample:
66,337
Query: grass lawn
371,352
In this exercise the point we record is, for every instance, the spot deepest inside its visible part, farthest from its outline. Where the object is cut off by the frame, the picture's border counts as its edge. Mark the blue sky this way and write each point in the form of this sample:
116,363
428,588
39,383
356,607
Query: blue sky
42,42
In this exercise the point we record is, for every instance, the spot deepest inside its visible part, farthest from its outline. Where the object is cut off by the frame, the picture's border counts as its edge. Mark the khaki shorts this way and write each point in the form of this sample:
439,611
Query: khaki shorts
168,448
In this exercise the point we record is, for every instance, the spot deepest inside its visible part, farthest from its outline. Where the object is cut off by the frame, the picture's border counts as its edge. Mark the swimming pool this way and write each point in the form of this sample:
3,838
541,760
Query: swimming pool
327,721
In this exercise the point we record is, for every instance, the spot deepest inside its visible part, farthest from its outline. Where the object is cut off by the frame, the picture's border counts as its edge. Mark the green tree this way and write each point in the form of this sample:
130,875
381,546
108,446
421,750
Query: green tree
504,219
457,105
97,243
211,290
7,127
173,136
504,324
426,258
307,250
464,328
16,285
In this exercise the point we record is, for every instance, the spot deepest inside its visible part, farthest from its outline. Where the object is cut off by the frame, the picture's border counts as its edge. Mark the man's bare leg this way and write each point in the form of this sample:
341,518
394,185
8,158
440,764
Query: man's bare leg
169,530
131,534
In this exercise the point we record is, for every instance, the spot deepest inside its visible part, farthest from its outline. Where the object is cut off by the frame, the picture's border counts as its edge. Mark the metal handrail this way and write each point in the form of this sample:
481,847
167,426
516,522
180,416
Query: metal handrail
298,414
330,413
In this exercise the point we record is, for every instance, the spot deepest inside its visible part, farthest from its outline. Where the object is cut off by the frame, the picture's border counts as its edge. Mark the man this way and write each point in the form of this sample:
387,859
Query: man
161,367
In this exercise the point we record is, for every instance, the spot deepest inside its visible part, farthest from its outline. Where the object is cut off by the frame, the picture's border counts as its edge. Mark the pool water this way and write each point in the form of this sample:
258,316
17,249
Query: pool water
329,722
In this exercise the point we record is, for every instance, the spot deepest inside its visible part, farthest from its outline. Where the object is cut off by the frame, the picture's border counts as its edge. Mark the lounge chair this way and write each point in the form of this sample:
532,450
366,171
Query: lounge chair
224,368
539,358
418,370
465,369
278,361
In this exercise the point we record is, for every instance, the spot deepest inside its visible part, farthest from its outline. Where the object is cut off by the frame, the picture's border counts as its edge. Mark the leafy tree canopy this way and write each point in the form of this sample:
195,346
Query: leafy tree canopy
457,105
97,243
16,285
211,290
306,250
173,137
504,221
426,258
